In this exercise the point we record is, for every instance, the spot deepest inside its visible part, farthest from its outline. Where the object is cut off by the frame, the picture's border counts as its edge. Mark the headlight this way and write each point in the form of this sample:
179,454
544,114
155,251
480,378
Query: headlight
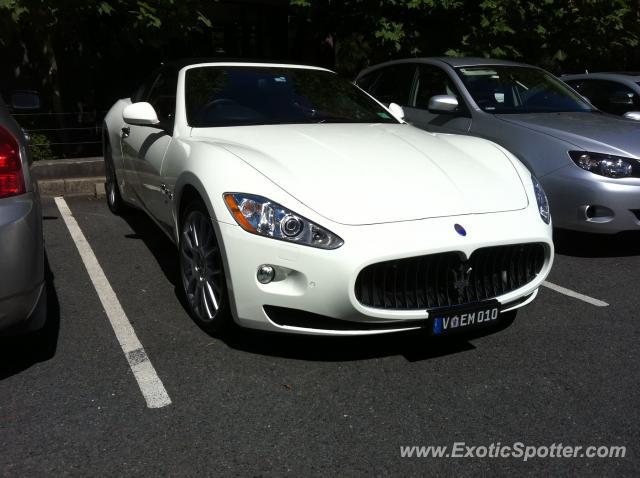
541,199
259,215
606,164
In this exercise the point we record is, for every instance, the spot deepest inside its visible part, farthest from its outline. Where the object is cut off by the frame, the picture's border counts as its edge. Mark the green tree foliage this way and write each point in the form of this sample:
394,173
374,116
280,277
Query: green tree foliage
66,45
143,18
40,147
562,35
42,34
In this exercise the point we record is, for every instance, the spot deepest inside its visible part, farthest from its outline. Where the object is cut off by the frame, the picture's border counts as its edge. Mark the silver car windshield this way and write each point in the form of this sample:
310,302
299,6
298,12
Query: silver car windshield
515,89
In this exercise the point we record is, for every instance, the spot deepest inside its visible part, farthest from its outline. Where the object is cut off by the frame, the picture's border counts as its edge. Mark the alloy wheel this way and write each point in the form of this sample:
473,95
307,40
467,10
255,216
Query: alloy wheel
201,267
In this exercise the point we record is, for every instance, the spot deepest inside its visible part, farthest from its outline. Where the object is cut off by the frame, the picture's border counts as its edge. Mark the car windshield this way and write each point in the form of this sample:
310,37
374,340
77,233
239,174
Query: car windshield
516,89
245,95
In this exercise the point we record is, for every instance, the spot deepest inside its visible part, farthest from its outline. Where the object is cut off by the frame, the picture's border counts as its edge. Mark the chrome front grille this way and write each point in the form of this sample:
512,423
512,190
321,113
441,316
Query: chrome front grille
447,279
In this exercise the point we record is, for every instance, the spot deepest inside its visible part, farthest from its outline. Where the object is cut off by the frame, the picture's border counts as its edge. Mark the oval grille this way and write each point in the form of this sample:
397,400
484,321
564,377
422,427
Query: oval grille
446,279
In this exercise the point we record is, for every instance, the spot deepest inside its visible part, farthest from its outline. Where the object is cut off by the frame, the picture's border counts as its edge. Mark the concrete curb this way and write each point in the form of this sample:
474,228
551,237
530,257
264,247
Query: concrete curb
70,177
72,187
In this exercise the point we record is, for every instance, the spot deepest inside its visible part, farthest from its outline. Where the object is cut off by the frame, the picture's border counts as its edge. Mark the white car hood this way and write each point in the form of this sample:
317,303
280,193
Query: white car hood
359,174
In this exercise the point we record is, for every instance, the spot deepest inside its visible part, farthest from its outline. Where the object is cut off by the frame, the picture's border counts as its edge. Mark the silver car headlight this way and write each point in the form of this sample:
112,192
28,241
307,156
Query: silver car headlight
259,215
541,199
606,164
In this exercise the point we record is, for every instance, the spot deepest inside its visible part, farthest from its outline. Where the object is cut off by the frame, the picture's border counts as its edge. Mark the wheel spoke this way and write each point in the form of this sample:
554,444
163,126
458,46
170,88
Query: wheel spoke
211,295
186,239
197,298
209,251
187,253
203,299
191,285
216,287
194,233
209,244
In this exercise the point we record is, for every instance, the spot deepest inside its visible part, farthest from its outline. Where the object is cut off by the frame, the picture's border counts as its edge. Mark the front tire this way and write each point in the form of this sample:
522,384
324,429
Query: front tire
202,271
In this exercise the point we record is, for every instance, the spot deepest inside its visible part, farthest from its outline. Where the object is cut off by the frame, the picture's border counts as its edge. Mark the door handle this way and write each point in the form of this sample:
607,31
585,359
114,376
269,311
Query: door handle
125,132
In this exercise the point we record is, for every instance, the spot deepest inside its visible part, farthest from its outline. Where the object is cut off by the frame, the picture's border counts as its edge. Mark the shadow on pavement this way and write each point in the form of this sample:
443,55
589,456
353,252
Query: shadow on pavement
19,352
581,244
164,251
414,346
156,241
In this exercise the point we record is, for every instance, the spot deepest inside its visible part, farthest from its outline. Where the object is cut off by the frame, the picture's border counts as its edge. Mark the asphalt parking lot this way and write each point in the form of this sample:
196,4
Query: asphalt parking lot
253,404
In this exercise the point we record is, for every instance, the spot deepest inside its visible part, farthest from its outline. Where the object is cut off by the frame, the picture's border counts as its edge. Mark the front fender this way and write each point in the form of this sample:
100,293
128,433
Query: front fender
212,170
185,181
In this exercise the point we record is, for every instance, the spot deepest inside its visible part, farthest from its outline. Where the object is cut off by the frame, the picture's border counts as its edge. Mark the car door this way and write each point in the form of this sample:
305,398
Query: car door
144,147
127,171
430,81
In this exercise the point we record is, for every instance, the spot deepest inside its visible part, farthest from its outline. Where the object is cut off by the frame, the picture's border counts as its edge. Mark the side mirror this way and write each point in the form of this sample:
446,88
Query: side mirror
632,115
443,104
25,100
397,111
140,114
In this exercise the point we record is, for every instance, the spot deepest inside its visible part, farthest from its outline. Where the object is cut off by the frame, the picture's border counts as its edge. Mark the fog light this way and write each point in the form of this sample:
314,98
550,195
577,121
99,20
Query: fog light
598,214
265,274
590,211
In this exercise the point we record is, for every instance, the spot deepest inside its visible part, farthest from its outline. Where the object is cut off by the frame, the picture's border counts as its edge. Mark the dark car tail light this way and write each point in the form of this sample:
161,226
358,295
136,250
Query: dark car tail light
11,177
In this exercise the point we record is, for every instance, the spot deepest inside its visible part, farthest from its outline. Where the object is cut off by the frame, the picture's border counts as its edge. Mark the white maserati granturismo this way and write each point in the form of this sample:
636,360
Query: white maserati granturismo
298,203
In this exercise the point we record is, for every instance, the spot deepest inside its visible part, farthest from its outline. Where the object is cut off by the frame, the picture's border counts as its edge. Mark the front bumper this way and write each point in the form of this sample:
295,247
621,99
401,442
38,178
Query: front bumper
22,259
323,282
583,201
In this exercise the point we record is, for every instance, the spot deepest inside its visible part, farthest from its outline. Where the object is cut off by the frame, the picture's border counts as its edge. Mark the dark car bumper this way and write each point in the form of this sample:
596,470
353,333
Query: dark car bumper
21,263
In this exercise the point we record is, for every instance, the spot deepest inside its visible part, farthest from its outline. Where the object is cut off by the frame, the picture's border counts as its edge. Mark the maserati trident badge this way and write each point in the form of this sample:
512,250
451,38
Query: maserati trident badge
461,278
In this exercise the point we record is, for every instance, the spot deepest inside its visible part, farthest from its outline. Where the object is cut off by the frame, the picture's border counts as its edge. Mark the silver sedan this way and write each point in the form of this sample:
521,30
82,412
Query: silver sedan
586,160
22,287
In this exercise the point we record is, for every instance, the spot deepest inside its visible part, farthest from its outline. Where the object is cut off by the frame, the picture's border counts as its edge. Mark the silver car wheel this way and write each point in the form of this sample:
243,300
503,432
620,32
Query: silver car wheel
201,266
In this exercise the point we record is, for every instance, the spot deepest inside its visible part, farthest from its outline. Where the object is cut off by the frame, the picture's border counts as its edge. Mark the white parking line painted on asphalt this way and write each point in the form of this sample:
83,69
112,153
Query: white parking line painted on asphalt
575,295
150,384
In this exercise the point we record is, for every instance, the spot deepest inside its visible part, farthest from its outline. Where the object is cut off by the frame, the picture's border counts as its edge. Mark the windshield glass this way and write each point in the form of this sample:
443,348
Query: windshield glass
516,89
242,95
